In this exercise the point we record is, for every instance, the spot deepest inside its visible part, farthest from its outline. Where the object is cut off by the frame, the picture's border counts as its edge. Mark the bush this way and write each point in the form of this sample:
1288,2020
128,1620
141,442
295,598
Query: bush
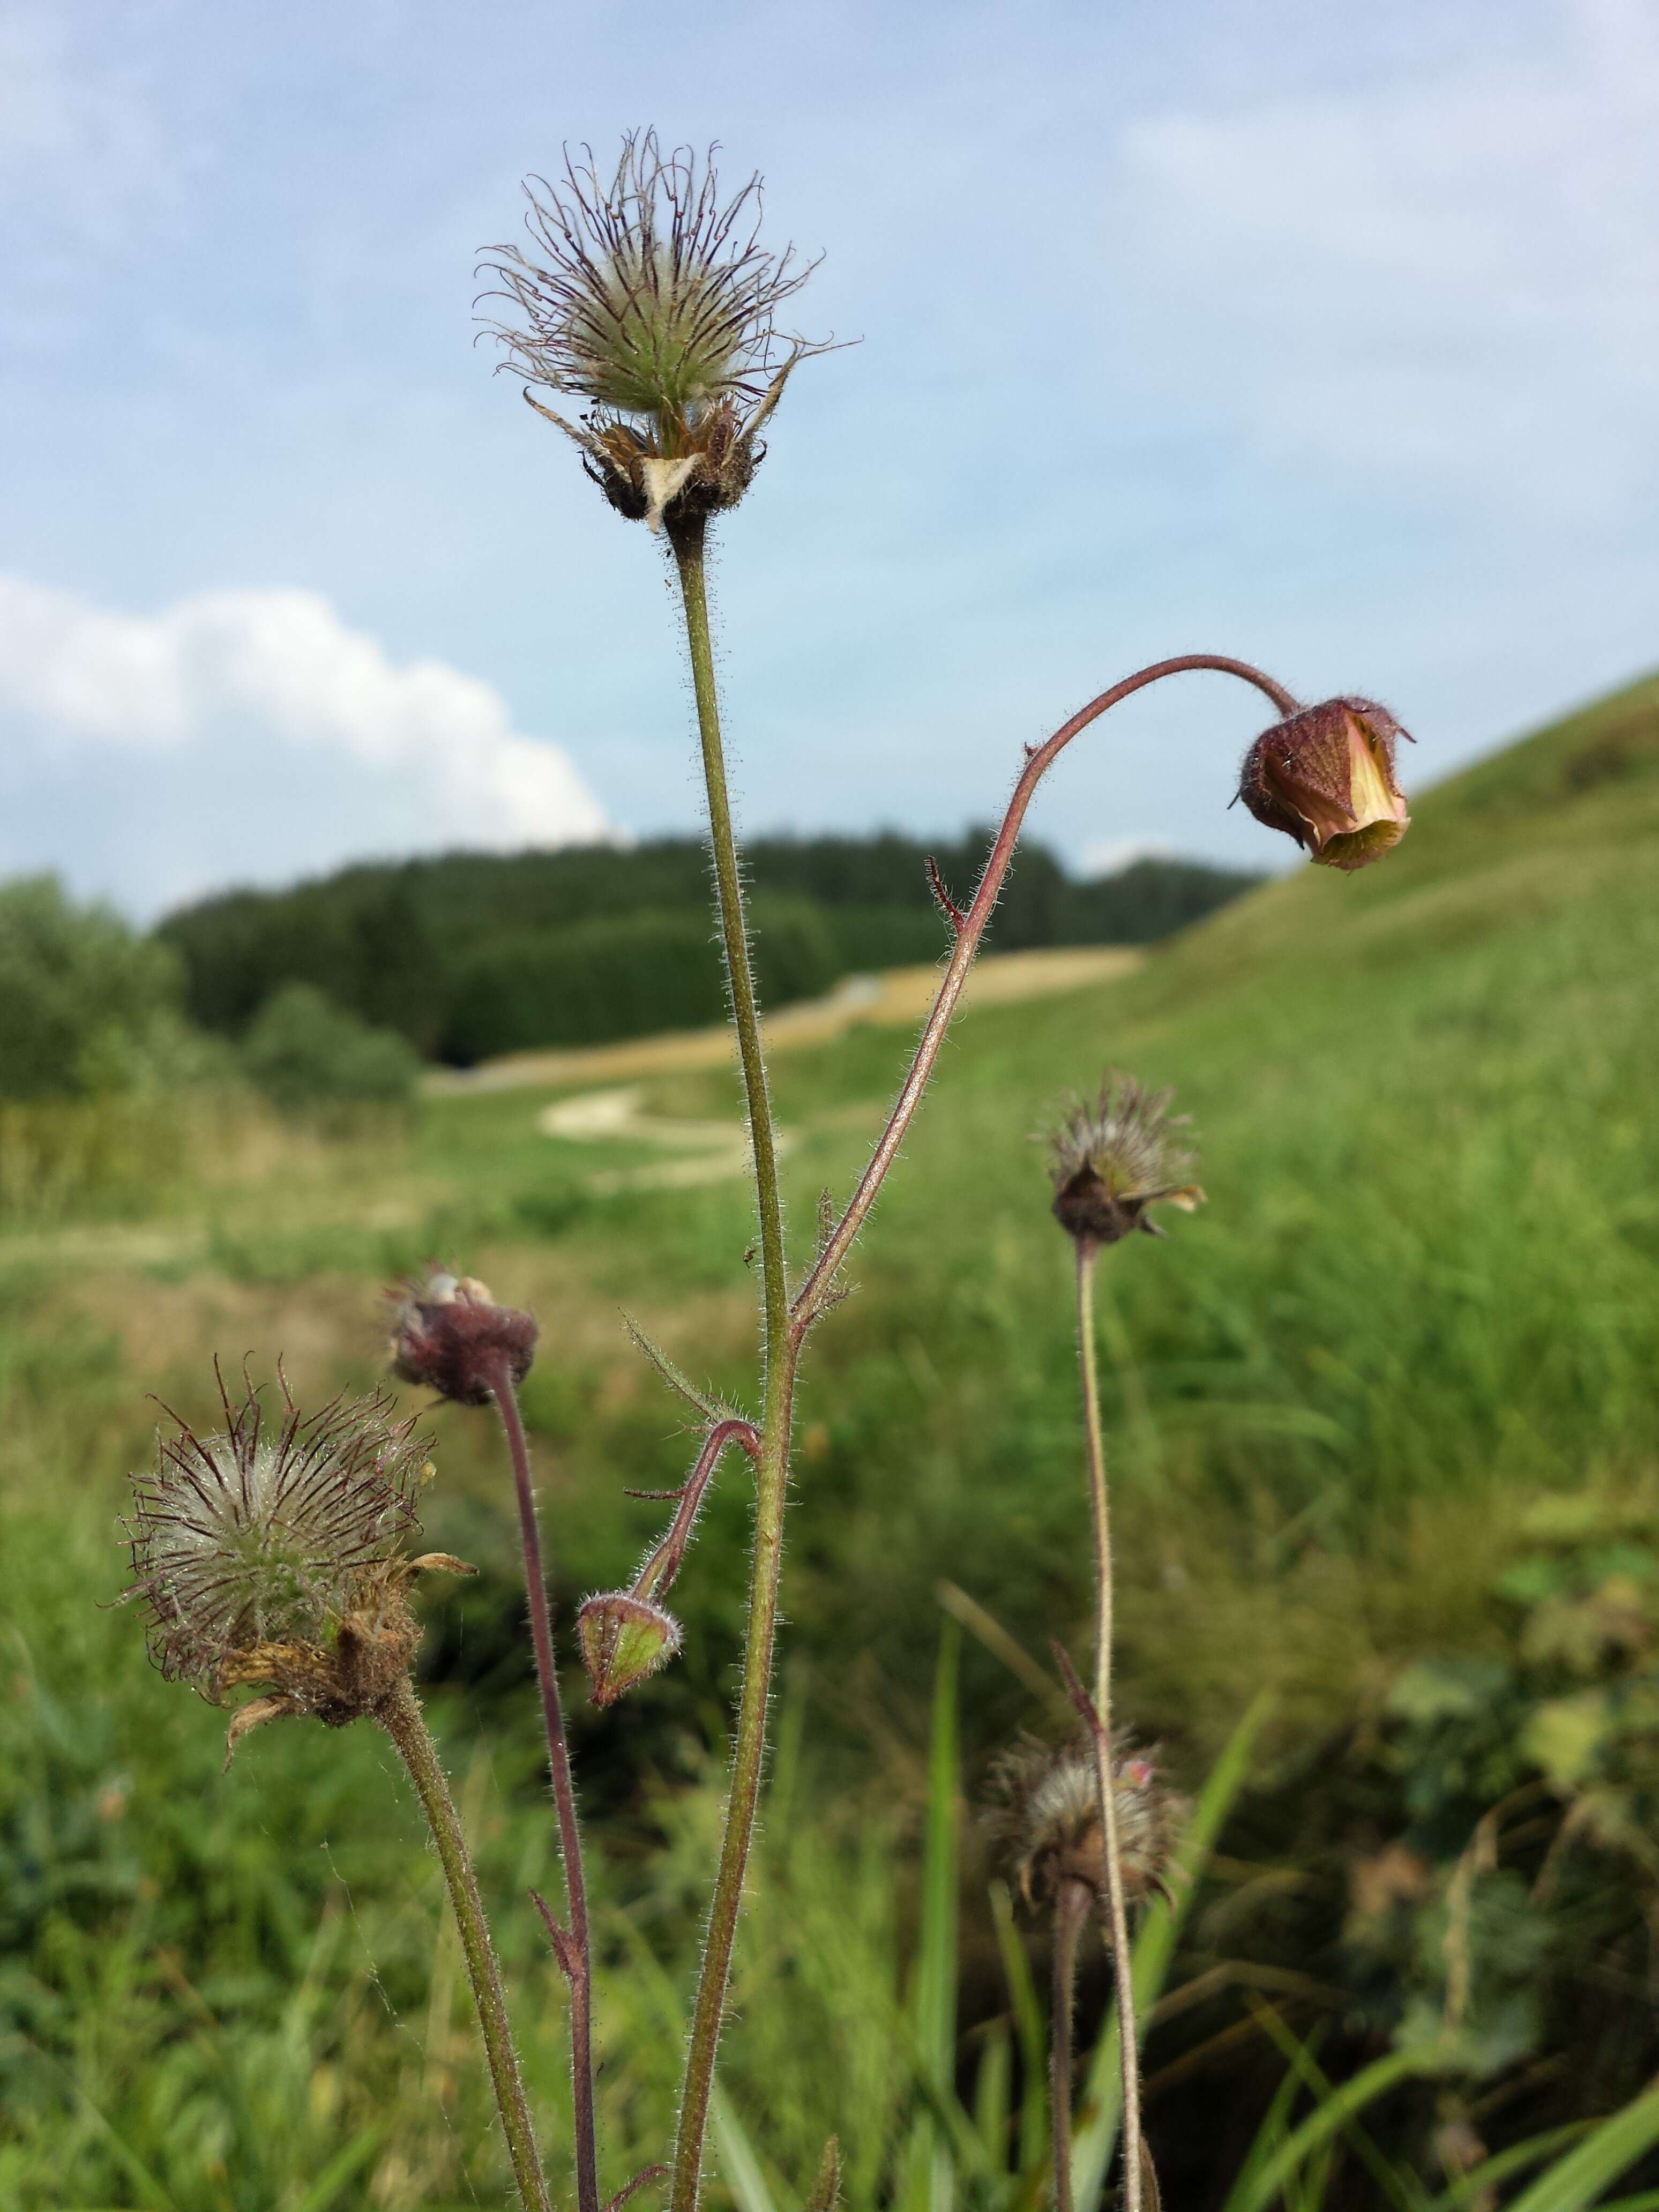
87,1007
304,1052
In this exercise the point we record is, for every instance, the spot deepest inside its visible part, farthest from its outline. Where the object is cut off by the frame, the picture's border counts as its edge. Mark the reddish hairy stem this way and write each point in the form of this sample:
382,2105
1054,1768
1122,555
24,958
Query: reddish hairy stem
970,929
577,1958
658,1571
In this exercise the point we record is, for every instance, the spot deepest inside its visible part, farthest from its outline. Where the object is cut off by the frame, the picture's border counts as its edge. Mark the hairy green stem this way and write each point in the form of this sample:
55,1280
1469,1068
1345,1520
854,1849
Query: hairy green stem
1071,1911
780,1352
1123,1965
401,1717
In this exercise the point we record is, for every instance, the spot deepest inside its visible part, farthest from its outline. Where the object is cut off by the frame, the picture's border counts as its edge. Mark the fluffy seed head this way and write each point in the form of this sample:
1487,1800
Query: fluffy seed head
449,1336
1326,777
1045,1813
1114,1156
266,1533
648,296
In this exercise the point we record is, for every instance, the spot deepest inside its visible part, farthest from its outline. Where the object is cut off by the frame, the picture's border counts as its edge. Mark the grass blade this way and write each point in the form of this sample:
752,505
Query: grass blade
1032,2032
1329,2118
1578,2177
931,2179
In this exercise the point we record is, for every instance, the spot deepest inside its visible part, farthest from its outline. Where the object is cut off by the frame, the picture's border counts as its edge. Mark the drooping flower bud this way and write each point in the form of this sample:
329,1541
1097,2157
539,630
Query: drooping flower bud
644,295
1046,1814
1113,1157
1326,777
278,1552
449,1336
624,1638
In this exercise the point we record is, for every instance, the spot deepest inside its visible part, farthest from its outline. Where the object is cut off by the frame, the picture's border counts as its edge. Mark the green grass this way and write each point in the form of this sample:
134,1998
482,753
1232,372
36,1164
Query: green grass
1424,1292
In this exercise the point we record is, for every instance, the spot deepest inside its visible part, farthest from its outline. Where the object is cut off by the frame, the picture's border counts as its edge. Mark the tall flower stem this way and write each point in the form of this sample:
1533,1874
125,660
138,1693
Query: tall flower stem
1122,1967
781,1352
401,1717
574,1950
1071,1911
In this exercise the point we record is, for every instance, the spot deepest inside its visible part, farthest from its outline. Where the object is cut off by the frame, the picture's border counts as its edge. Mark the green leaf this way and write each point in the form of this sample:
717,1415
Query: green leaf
1577,2178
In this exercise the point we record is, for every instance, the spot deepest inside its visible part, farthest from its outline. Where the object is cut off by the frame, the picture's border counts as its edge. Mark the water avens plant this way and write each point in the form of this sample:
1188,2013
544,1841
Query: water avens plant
282,1561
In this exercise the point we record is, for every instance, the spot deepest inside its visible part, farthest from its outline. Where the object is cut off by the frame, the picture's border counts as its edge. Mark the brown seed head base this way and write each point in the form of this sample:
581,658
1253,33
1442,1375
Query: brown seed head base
449,1336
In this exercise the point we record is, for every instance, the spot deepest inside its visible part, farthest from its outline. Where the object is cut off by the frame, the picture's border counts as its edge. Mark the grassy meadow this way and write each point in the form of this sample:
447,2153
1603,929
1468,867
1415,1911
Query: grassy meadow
1383,1427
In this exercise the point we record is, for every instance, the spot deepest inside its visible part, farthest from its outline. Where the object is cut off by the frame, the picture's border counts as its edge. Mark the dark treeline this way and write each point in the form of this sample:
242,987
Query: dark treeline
470,954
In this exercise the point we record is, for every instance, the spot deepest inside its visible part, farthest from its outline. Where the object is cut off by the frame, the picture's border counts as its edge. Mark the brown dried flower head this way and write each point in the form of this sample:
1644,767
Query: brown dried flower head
1114,1156
1045,1813
277,1552
1326,777
647,296
449,1336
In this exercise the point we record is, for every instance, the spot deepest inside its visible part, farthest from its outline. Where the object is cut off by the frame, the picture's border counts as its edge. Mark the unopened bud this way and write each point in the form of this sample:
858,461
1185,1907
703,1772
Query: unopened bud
449,1336
623,1639
1325,776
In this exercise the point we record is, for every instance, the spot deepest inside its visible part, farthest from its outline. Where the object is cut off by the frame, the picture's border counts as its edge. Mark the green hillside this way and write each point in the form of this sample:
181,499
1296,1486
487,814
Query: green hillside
1383,1418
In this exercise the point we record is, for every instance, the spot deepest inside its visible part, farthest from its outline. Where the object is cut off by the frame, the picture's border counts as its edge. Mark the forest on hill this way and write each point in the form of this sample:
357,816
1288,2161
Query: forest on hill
467,955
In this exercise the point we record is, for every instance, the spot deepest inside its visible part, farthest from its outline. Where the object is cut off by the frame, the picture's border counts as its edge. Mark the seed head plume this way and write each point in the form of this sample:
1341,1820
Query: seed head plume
647,295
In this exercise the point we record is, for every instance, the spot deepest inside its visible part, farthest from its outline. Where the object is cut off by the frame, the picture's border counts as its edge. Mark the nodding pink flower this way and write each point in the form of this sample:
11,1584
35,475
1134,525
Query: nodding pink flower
1326,777
449,1334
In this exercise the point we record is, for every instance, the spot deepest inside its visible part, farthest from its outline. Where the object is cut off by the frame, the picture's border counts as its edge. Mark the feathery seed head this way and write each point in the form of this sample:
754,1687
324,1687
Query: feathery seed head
648,296
1326,777
1115,1155
277,1552
1045,1813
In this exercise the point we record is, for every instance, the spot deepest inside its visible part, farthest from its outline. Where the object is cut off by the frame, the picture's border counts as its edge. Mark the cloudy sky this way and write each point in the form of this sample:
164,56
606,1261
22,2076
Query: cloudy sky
1322,335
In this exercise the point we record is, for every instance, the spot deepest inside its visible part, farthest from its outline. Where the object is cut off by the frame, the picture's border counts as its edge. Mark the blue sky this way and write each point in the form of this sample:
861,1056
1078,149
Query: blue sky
1322,335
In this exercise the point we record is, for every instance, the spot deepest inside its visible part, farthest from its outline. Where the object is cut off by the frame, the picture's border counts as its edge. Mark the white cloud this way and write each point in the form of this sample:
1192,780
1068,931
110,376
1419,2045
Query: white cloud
1455,278
259,724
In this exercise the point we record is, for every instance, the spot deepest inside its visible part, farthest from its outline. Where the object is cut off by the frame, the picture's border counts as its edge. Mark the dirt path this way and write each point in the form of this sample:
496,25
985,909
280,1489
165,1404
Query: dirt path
895,1000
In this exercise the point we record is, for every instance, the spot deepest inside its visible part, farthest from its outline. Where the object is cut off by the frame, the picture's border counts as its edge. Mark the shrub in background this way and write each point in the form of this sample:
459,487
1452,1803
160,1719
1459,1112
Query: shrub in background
306,1054
87,1005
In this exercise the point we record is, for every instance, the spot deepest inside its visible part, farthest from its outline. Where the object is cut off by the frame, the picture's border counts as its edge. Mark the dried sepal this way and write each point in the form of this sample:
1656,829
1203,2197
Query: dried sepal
1114,1156
624,1640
